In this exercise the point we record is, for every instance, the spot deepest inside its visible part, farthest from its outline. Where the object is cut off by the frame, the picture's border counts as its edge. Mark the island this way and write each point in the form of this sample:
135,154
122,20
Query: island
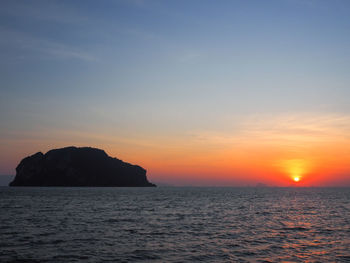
78,166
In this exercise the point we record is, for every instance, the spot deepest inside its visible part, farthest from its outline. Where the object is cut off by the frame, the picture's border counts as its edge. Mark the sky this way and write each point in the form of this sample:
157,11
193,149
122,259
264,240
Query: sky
203,93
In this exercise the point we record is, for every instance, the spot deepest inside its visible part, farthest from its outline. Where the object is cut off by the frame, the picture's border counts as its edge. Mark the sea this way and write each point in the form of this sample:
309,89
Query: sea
174,224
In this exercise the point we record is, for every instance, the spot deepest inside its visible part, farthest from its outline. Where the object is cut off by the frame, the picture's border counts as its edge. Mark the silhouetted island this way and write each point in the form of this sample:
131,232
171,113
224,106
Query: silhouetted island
73,166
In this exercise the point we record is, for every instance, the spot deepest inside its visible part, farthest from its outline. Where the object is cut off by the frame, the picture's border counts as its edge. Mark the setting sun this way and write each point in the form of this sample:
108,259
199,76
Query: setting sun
295,168
296,179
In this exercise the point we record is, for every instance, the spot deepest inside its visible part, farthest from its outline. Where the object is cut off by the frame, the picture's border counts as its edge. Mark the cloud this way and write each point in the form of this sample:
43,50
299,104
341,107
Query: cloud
294,130
40,48
190,56
23,45
43,11
64,52
137,3
320,127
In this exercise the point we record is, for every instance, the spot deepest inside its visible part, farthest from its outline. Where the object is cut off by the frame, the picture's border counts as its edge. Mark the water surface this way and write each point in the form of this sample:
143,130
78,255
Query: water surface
167,224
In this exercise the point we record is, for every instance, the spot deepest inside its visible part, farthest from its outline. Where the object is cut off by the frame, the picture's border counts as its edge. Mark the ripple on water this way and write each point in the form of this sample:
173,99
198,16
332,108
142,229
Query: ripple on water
174,224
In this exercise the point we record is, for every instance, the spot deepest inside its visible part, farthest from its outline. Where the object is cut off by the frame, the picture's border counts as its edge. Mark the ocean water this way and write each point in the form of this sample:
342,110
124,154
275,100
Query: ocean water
167,224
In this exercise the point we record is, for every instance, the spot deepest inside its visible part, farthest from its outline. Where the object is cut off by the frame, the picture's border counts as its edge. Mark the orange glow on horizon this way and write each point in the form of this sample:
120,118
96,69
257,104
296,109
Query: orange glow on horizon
272,151
219,160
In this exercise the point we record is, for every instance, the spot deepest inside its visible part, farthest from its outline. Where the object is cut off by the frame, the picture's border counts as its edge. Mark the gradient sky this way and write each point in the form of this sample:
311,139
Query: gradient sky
197,92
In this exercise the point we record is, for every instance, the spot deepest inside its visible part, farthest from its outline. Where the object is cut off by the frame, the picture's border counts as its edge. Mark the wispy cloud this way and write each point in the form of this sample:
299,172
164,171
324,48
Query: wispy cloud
137,3
60,51
53,11
25,44
283,129
190,56
40,48
307,125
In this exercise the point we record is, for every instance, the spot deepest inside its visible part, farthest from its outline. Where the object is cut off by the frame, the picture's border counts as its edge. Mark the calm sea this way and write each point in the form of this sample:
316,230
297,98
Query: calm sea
167,224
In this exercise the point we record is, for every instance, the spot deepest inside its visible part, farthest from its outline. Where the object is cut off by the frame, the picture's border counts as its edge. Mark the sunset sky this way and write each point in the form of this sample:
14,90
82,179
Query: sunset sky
204,93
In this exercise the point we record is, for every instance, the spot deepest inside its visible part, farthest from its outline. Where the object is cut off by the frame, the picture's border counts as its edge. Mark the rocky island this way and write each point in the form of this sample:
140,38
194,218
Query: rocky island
73,166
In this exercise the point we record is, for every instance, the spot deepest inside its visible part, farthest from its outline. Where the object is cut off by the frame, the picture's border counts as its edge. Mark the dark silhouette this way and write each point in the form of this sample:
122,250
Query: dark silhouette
72,166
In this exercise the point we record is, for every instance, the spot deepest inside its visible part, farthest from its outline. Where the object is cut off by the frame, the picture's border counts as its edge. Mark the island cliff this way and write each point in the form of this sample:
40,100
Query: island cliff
73,166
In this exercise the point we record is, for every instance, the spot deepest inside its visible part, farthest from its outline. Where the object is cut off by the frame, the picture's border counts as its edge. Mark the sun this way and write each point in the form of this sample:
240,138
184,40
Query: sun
296,179
296,169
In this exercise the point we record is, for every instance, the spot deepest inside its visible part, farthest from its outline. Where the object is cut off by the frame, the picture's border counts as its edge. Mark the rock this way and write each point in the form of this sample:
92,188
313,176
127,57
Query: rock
73,166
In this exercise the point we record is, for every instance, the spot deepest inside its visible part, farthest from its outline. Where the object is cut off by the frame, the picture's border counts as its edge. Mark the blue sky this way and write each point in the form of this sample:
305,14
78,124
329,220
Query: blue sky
146,69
